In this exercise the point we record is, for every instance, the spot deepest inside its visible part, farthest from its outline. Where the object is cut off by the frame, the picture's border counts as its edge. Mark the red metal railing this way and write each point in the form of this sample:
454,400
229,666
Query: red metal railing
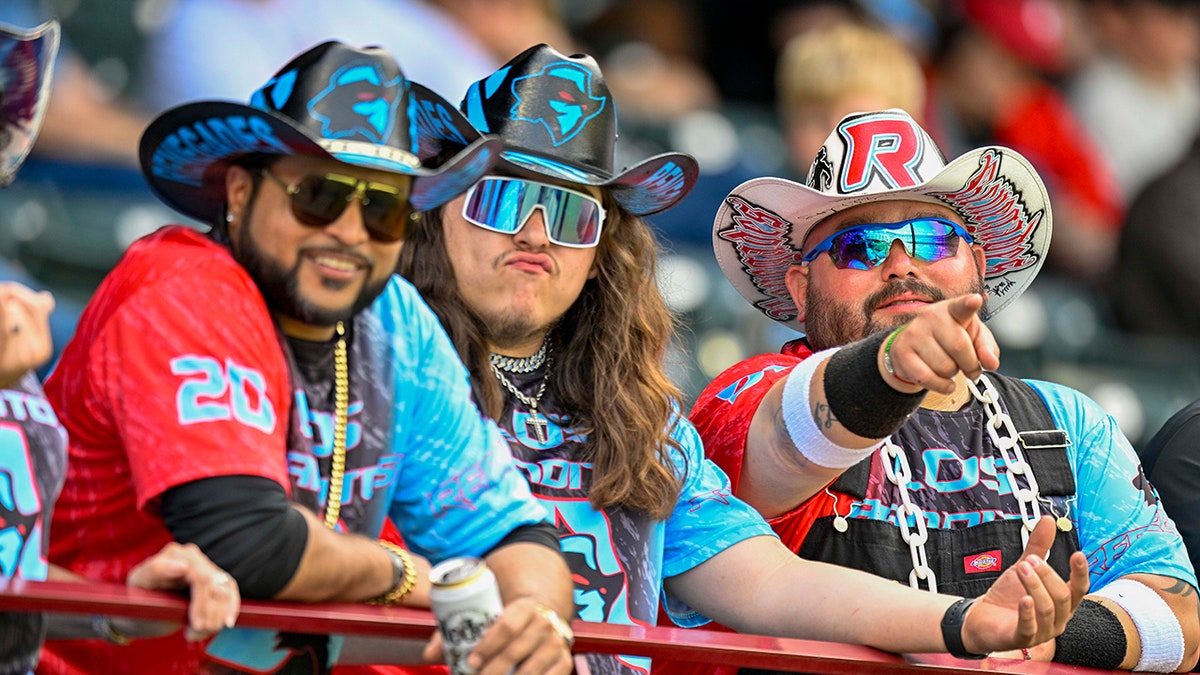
754,651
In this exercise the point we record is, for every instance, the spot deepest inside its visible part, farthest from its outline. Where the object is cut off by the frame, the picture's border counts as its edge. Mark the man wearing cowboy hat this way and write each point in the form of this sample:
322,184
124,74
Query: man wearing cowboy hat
272,392
543,273
893,449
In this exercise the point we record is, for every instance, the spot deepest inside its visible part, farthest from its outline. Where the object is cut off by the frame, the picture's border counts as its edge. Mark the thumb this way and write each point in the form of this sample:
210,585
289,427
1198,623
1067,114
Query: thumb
965,308
1041,539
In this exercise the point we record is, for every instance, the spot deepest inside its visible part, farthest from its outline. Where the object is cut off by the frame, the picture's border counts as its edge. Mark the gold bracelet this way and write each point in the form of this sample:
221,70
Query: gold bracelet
558,624
404,578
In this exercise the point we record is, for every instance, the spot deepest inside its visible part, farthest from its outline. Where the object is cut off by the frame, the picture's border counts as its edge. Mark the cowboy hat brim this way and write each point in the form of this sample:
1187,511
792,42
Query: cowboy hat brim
186,151
652,185
760,227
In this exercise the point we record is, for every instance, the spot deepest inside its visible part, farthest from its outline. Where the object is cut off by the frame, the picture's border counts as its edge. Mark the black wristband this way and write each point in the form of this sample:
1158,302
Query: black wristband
1093,637
952,627
859,398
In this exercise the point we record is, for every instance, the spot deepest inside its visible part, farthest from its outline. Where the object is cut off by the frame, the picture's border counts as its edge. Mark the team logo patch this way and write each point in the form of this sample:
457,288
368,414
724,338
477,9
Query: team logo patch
363,90
988,561
559,97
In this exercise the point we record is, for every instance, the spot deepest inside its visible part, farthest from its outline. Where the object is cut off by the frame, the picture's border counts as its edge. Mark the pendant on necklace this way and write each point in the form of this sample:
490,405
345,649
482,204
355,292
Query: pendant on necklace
537,425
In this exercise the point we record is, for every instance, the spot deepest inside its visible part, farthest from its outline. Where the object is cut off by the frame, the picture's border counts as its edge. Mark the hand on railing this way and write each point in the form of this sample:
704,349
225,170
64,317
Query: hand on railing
215,600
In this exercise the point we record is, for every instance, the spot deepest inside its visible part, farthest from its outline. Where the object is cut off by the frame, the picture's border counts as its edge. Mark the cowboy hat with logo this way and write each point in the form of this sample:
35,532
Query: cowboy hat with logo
761,225
557,119
26,64
353,105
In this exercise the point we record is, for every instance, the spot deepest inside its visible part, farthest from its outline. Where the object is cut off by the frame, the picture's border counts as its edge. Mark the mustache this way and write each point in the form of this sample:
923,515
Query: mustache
895,289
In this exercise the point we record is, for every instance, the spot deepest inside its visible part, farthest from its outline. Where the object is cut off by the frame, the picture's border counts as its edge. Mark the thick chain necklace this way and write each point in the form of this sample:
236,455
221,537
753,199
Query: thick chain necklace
895,465
526,365
536,424
341,405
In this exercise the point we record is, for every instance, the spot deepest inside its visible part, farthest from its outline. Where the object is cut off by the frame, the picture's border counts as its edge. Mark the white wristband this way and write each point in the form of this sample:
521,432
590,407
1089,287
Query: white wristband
808,438
1157,626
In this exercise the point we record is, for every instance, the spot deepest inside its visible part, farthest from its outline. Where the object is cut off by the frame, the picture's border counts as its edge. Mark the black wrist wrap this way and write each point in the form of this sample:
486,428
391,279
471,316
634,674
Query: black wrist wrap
1093,638
857,394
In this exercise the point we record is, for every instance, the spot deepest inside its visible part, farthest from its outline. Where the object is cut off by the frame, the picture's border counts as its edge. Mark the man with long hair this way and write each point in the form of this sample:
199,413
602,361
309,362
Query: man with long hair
543,274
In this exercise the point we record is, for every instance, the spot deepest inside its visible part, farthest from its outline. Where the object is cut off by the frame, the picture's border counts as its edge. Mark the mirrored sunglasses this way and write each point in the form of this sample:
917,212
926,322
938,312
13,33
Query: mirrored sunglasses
503,205
319,199
864,247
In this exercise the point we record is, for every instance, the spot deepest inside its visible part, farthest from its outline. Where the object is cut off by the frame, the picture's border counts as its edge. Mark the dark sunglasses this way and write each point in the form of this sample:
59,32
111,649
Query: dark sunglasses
503,205
318,200
863,247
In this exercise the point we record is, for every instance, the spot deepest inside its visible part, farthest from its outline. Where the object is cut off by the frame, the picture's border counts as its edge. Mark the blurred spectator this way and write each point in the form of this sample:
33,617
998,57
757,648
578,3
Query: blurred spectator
1171,463
256,35
989,87
1140,96
1157,279
650,51
506,28
824,75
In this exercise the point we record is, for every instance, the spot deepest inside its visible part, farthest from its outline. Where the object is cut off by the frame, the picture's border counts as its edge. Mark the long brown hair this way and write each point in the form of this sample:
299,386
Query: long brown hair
608,358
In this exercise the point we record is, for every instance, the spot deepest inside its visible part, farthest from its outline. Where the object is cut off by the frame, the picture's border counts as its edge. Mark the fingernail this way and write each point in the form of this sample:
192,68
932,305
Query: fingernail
1035,561
231,620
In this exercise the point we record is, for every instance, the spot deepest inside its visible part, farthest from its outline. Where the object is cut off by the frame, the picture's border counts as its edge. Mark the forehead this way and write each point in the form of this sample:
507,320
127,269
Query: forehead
893,211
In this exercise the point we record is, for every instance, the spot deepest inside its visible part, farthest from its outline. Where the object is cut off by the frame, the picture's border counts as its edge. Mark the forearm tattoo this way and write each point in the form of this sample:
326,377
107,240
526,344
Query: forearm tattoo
823,415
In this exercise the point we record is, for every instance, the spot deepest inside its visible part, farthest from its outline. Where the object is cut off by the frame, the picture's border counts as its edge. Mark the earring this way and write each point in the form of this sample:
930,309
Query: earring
229,217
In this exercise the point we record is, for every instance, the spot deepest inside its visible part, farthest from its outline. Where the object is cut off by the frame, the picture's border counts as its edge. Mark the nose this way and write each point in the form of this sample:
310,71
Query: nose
898,263
348,228
532,233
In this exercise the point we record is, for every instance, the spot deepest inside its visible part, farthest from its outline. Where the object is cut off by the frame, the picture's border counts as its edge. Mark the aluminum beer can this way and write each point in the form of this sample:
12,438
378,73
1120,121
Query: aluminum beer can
465,601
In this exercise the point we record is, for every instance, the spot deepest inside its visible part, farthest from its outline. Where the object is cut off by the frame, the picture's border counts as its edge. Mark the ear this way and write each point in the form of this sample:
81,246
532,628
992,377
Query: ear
980,259
796,280
239,186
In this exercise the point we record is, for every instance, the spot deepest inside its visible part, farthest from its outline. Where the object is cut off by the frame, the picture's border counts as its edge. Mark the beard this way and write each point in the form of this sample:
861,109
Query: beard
281,286
829,324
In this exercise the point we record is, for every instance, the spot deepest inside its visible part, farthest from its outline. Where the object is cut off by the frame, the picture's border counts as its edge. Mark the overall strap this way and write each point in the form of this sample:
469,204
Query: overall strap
1044,444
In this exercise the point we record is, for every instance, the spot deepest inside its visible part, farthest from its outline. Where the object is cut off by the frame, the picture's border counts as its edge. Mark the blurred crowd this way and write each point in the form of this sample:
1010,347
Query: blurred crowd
1102,96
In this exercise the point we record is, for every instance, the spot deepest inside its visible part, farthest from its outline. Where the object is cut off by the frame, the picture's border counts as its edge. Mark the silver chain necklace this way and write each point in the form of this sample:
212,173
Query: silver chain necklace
536,424
526,365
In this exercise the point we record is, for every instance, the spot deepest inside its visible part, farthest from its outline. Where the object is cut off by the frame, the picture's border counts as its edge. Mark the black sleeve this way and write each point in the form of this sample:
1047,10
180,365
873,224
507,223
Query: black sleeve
1172,464
539,533
245,524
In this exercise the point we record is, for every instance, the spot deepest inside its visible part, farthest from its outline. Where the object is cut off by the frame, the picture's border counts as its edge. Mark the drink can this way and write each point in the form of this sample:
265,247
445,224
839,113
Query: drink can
465,601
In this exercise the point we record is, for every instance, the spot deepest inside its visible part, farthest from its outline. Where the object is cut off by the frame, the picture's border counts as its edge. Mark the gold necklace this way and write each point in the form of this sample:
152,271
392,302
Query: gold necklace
341,405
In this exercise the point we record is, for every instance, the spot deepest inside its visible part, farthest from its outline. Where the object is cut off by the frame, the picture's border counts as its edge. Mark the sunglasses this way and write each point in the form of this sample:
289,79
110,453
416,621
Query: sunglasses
864,247
503,205
318,200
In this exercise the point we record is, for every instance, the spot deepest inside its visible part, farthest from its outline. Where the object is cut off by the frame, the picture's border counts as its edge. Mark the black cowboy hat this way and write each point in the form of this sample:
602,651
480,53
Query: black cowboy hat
26,65
353,105
557,119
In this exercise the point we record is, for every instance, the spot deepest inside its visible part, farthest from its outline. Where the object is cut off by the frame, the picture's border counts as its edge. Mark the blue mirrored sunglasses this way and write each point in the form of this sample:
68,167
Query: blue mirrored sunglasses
504,205
864,247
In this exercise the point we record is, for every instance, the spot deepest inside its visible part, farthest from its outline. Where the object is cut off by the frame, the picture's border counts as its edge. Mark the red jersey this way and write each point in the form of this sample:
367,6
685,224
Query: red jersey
161,317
